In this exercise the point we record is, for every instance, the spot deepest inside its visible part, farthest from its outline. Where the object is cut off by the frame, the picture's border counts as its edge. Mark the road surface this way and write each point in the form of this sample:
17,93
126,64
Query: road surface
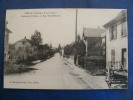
53,73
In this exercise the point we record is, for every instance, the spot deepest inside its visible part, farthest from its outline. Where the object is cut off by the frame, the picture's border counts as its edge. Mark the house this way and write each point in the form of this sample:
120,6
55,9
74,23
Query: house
43,50
6,44
116,42
95,60
92,39
11,51
23,49
46,49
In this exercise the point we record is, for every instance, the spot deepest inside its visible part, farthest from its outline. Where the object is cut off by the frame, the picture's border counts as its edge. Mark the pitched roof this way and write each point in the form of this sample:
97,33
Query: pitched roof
24,40
92,32
120,16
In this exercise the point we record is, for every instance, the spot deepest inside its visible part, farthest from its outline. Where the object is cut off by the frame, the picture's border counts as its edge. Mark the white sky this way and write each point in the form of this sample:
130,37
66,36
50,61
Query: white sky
59,29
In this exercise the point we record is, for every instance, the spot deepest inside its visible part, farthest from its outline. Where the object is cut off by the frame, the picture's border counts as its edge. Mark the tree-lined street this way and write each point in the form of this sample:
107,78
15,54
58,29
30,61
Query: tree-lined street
62,57
51,74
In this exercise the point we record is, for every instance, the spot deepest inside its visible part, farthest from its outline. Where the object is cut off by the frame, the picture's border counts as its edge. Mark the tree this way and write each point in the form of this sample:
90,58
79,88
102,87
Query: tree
68,50
80,48
36,38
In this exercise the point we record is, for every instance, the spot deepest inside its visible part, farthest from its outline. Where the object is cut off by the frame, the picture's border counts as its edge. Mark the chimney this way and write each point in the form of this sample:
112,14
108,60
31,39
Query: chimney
25,37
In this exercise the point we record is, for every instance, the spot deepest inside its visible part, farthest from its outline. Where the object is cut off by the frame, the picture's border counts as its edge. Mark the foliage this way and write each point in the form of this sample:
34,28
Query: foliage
51,52
80,48
68,50
36,38
25,61
15,68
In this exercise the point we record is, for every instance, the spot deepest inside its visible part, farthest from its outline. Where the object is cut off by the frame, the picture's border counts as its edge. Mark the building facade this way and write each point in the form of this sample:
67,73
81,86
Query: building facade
92,39
23,49
43,51
6,44
116,42
95,59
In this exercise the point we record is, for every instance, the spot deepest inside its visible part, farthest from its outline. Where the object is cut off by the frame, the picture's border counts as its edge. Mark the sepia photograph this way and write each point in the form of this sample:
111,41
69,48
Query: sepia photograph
66,49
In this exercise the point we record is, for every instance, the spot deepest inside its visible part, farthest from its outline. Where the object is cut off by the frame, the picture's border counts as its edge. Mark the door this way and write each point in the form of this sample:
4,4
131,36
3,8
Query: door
124,58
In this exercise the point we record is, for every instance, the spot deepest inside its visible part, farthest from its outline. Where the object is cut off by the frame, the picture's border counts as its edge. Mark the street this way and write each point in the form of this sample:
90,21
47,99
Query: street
92,58
53,73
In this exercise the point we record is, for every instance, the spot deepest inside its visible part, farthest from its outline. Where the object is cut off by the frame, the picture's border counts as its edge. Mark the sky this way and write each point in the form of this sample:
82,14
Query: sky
57,26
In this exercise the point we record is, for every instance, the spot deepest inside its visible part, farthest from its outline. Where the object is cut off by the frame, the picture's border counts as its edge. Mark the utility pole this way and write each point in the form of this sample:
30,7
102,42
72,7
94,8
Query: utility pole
76,27
76,37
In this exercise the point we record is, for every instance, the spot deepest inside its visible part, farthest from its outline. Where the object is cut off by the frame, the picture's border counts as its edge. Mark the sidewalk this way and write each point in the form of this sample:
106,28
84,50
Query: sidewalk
96,82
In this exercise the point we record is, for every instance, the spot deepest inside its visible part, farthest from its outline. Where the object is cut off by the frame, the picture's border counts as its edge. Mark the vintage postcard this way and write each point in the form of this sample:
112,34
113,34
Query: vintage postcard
66,49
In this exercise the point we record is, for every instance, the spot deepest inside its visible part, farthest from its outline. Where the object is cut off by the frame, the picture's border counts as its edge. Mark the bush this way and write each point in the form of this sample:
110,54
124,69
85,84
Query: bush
50,53
68,50
42,56
25,61
15,68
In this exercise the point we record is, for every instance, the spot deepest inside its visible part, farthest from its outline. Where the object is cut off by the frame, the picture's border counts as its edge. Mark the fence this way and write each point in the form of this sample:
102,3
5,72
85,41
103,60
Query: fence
117,65
96,66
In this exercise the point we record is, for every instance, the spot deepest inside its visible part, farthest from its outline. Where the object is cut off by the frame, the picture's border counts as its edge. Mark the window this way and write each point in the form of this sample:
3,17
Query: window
19,48
23,42
123,28
113,32
113,58
124,58
35,49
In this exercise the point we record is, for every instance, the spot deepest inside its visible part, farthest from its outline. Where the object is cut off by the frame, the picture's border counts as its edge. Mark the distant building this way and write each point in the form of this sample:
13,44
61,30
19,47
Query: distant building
116,41
46,49
6,44
43,50
23,49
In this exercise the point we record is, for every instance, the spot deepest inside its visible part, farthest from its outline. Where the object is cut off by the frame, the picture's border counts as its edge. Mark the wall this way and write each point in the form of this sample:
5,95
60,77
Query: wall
6,46
22,53
117,45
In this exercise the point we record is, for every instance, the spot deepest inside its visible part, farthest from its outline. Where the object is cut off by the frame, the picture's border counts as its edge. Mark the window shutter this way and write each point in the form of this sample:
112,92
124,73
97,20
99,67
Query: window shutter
115,31
110,33
113,57
124,29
